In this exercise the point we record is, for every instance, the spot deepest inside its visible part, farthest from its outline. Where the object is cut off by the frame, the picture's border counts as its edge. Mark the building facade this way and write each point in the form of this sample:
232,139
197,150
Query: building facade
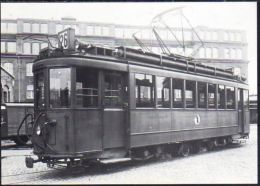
222,48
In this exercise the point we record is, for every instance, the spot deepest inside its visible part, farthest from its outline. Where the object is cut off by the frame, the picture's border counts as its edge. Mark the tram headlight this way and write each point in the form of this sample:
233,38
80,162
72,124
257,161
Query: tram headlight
38,130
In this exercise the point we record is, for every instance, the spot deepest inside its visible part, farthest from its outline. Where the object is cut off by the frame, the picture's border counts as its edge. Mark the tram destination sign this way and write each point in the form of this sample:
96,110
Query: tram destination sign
66,39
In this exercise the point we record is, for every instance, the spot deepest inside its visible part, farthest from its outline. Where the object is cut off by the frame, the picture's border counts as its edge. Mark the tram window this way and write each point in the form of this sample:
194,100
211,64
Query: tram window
212,96
246,99
177,93
202,92
86,87
39,91
115,91
60,88
144,90
163,92
221,96
230,97
190,94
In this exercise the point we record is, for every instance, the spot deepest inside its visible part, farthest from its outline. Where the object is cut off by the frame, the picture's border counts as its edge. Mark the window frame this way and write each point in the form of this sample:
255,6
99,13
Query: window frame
194,95
152,100
72,89
156,95
225,98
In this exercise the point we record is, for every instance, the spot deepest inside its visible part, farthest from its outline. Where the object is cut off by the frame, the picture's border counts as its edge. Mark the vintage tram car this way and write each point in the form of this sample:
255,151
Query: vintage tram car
12,114
94,103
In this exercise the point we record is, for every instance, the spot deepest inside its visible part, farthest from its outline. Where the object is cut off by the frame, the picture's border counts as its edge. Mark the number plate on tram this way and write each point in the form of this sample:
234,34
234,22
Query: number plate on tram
66,39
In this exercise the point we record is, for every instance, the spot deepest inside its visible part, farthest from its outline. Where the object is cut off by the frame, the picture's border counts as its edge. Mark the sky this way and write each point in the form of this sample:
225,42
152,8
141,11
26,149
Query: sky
226,15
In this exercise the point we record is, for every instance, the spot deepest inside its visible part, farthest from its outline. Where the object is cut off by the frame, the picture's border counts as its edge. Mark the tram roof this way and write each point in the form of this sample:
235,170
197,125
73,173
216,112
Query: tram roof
128,55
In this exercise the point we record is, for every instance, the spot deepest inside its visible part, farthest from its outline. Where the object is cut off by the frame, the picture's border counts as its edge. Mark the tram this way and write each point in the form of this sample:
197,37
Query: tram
94,103
12,115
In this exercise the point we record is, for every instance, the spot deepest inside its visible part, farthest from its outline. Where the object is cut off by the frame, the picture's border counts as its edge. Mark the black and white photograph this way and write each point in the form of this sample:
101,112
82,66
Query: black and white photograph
129,93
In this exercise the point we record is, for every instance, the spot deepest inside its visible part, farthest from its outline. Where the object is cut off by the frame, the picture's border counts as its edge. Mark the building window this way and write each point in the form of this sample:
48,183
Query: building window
44,28
60,89
75,27
208,35
215,53
67,26
90,30
230,97
12,28
146,34
2,47
29,92
27,48
11,47
226,36
9,67
163,92
226,53
35,48
144,90
86,87
164,35
98,30
215,36
221,96
3,27
232,36
212,96
202,94
177,93
59,28
128,33
35,28
29,69
187,35
44,45
190,93
208,53
238,37
202,52
232,53
239,54
119,32
105,31
27,27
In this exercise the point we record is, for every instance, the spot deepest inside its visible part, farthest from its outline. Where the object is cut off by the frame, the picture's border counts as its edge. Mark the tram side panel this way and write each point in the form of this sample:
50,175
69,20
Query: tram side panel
15,116
88,130
247,122
150,127
61,135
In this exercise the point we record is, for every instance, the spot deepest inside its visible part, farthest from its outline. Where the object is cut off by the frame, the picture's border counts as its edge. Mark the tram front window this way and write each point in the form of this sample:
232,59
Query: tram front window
86,87
60,87
39,91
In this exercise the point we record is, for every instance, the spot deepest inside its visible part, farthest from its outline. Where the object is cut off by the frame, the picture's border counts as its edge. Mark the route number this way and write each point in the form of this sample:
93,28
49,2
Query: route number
66,39
63,39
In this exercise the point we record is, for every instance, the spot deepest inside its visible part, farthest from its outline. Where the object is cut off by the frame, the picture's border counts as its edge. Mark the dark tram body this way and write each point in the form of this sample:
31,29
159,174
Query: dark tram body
100,103
12,115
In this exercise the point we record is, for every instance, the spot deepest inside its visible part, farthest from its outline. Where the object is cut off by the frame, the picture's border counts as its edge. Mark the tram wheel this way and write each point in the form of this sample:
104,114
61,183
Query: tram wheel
210,145
184,150
195,147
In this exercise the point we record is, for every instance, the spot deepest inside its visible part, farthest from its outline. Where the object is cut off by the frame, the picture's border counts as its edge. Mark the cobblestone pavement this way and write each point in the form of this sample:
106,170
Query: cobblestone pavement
235,164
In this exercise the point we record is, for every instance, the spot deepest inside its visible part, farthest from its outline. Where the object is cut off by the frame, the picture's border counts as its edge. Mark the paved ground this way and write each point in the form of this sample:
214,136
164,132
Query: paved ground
236,164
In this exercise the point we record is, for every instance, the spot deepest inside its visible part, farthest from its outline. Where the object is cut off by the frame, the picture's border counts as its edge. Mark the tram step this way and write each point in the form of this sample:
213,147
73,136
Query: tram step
106,161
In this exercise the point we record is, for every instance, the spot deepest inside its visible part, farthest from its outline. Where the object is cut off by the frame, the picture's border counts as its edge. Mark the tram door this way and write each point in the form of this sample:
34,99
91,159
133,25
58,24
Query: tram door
115,98
242,96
